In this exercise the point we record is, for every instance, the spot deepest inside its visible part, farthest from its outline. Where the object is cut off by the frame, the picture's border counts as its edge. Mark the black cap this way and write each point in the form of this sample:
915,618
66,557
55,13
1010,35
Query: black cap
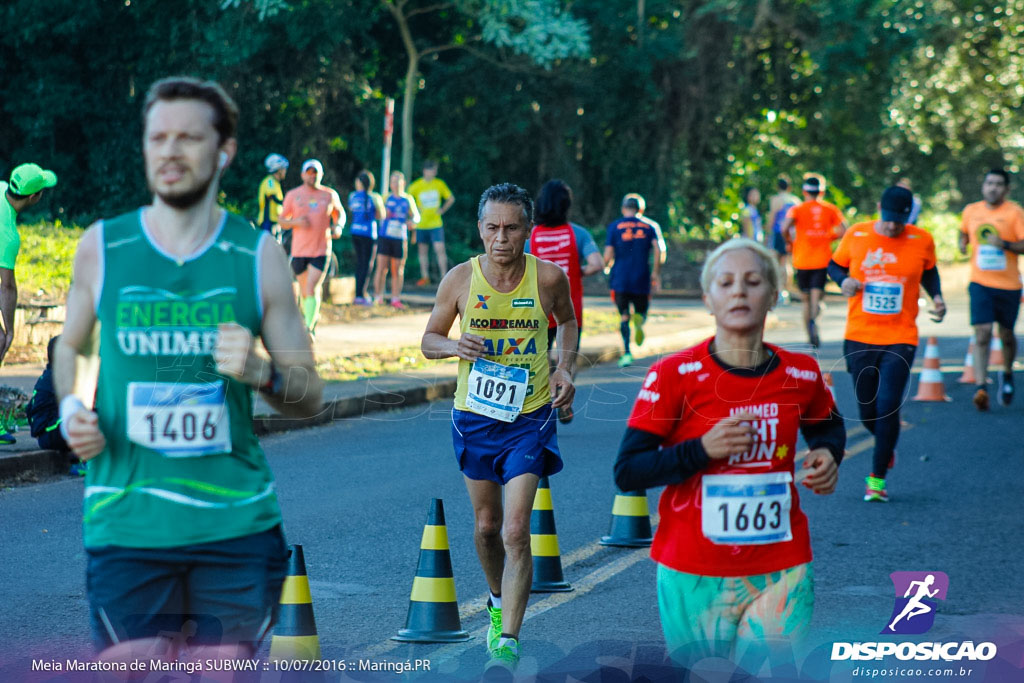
897,202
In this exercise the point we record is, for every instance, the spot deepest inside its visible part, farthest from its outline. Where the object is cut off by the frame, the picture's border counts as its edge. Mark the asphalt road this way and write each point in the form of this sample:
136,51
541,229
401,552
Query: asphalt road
355,494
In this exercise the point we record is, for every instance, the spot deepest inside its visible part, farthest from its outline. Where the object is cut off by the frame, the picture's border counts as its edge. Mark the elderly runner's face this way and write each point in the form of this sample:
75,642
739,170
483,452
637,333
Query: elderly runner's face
504,231
739,295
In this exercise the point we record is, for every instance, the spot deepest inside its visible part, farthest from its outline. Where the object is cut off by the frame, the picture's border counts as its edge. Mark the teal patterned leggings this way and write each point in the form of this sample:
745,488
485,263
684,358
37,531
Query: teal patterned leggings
705,616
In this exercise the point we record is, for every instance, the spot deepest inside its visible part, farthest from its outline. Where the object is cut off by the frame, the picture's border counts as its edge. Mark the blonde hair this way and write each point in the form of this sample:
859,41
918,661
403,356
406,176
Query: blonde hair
769,266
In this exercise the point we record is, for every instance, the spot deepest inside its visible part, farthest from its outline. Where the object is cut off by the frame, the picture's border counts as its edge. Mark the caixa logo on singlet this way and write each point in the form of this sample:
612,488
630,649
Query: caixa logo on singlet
916,598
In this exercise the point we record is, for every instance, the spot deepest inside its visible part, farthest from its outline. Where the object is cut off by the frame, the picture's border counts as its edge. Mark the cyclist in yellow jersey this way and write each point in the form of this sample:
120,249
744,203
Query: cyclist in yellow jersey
502,425
270,195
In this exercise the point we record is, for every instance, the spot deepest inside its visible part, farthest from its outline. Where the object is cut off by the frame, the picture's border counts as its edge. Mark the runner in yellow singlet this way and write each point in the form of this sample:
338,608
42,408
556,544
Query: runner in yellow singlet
503,426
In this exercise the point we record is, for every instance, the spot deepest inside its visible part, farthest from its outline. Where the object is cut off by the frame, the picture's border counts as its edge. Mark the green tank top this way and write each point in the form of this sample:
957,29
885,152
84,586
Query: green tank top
515,331
182,464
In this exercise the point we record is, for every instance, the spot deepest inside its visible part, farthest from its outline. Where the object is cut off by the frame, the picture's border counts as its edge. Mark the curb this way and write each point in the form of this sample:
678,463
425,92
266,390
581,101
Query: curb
41,463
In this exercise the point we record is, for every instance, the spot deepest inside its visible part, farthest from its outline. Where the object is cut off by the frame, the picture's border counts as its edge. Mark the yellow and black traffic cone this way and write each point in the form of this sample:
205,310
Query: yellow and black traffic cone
631,521
295,636
433,612
547,559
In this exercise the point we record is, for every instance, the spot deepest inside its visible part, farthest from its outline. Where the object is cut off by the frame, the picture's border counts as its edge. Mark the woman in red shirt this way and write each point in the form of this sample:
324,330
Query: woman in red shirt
717,423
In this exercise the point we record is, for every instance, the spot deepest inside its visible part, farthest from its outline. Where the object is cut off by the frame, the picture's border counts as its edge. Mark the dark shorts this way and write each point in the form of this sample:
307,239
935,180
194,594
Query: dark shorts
814,278
779,243
640,302
391,247
229,590
991,305
267,226
300,263
429,235
492,450
553,332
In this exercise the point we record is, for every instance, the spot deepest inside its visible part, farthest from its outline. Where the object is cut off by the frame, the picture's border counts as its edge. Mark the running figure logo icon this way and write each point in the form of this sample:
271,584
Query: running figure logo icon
917,593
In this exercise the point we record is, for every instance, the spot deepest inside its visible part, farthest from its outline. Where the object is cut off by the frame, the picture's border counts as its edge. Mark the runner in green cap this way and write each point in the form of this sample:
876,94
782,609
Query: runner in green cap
25,189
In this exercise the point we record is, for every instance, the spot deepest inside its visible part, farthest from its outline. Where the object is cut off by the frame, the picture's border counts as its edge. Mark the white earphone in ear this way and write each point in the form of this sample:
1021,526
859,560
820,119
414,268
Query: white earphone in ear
222,160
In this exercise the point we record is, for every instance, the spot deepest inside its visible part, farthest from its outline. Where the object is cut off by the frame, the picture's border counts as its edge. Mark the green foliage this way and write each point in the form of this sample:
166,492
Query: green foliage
685,103
46,259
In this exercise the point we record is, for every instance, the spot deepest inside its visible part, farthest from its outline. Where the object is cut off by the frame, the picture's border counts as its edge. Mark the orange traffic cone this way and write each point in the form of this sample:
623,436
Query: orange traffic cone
929,385
433,612
995,353
968,377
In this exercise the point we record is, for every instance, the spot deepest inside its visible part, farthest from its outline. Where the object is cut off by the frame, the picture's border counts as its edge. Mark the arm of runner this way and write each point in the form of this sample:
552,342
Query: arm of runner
826,440
337,214
933,285
435,343
824,471
447,202
963,239
840,275
379,211
594,264
8,304
76,356
288,380
787,226
642,463
590,256
609,258
551,278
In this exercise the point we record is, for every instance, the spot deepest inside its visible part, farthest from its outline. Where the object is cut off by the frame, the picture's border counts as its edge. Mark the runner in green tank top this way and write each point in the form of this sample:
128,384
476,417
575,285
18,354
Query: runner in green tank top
181,520
502,423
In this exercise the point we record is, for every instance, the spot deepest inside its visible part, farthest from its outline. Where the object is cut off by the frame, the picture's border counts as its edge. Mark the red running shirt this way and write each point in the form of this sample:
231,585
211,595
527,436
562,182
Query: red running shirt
683,397
558,245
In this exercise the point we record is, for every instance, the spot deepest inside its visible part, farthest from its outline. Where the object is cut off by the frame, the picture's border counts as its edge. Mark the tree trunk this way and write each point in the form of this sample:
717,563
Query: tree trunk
408,107
397,9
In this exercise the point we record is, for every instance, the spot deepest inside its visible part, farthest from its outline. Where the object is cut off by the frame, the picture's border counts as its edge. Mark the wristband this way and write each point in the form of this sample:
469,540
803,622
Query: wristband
274,383
69,405
1005,245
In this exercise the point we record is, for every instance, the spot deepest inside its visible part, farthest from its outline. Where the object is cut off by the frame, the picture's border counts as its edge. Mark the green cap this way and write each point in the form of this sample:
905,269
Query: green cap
30,178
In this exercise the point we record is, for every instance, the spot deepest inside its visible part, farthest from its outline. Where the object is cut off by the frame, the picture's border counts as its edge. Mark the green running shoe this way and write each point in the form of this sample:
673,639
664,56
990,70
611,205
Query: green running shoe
626,360
494,630
875,491
504,656
638,329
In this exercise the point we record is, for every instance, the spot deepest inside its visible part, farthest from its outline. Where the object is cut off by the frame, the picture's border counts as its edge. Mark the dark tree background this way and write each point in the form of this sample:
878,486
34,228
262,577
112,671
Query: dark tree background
683,101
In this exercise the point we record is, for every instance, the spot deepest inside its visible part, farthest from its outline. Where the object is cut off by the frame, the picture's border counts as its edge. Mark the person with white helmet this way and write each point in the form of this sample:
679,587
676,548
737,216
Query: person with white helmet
271,197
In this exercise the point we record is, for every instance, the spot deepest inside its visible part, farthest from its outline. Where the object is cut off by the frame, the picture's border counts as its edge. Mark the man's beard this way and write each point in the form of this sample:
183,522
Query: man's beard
188,199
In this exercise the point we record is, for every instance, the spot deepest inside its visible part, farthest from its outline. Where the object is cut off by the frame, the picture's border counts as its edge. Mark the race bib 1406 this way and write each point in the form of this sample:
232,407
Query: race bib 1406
179,420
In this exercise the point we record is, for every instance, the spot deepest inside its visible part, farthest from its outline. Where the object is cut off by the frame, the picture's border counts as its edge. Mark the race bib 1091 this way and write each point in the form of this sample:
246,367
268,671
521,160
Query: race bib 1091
496,390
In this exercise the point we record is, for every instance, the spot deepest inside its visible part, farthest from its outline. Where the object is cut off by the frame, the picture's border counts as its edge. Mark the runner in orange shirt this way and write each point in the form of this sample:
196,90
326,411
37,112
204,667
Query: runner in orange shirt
993,228
812,227
881,266
313,212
